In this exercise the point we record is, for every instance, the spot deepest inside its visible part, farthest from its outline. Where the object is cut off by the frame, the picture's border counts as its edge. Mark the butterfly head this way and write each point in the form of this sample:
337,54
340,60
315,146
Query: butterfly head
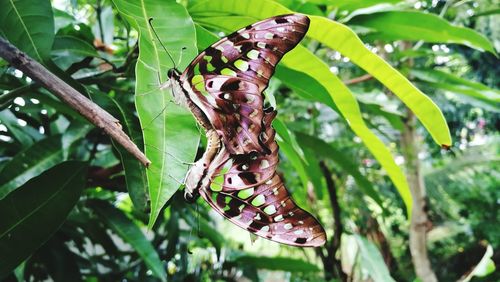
173,73
175,84
191,197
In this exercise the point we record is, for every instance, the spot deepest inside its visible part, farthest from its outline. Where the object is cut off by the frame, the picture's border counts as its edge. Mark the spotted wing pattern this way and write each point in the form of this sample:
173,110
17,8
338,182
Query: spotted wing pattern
229,77
247,190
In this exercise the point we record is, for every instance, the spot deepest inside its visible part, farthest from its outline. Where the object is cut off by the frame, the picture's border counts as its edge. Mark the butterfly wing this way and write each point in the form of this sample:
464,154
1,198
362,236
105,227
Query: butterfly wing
228,78
247,190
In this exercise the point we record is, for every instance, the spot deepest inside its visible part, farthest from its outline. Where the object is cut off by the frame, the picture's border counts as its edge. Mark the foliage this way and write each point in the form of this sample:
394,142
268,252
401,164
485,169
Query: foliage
75,206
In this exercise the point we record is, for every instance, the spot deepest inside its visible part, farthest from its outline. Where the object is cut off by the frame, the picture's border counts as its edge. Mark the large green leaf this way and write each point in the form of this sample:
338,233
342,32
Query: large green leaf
277,263
414,25
302,60
30,163
32,213
169,131
131,234
28,24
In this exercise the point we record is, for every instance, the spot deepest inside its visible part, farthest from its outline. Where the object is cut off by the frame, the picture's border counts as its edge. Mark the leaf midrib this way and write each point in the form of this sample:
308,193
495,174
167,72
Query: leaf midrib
163,165
26,30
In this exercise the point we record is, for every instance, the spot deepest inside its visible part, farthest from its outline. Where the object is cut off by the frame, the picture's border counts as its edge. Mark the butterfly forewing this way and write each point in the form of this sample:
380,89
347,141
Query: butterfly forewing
247,190
228,78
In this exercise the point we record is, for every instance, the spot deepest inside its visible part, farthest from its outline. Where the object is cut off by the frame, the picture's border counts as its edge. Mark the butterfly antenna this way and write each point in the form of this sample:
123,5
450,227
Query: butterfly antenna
150,21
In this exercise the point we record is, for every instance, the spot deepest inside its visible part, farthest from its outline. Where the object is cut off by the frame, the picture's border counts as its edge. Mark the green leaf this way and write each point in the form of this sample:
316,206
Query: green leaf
67,45
315,173
277,263
294,158
372,261
135,172
344,40
302,60
131,234
351,5
30,163
205,230
288,144
485,266
449,82
287,136
380,108
18,133
487,13
304,85
32,213
69,49
172,235
73,134
28,24
325,150
413,25
169,131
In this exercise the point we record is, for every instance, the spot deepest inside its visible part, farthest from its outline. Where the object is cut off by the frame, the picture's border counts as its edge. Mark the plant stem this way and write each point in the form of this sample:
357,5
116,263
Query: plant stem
338,228
419,221
360,79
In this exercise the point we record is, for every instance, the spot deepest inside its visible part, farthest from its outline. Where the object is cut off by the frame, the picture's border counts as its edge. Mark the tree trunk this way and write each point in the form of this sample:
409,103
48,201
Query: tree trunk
419,220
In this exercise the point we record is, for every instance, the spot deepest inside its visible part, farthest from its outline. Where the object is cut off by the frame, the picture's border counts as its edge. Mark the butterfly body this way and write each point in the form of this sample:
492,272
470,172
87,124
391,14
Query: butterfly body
223,87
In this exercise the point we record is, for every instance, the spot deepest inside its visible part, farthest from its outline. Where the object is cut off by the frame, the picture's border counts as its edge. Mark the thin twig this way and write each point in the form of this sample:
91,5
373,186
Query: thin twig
70,96
360,79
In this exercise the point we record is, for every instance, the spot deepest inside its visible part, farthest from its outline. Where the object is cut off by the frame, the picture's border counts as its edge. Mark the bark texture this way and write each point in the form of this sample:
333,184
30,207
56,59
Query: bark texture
419,221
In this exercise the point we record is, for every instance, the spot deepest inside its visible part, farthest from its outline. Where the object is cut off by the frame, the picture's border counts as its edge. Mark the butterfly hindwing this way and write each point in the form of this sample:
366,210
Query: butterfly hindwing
229,77
247,190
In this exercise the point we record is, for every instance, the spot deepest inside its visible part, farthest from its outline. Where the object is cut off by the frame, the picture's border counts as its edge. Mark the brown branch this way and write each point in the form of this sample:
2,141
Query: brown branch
359,79
338,228
70,96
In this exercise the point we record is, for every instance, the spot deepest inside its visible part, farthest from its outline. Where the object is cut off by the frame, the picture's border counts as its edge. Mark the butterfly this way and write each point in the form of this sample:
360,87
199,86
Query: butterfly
223,87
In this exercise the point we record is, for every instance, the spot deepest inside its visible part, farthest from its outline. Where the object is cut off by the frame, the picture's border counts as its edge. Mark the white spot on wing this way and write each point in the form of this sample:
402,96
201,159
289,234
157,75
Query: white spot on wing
264,164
